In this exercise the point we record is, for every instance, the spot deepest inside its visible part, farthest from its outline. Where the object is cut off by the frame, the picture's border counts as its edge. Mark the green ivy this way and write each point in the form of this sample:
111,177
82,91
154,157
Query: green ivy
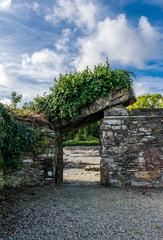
73,91
16,137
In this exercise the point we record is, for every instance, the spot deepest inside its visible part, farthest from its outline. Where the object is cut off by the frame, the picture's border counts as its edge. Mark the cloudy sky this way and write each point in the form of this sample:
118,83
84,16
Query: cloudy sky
40,39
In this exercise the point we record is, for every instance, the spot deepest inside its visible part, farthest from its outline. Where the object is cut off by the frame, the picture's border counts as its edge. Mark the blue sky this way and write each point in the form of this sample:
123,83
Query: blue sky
41,38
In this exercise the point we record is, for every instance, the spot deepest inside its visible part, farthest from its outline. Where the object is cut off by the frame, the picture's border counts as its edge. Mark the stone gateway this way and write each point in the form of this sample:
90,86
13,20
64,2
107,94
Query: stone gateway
131,146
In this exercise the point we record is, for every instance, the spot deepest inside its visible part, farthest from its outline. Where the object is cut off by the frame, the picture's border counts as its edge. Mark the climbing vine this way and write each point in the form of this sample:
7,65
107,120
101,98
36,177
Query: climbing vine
73,91
16,137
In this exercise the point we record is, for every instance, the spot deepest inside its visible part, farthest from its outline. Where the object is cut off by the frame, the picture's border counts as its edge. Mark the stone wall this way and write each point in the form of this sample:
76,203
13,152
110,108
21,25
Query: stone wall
132,147
35,168
131,152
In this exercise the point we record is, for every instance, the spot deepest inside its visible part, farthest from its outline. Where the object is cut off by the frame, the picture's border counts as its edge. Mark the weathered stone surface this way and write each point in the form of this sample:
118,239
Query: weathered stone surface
92,168
95,110
1,179
148,175
34,169
59,156
1,172
132,148
116,111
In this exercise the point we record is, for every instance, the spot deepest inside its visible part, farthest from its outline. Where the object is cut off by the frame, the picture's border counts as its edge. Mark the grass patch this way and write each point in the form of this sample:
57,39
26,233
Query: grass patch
81,143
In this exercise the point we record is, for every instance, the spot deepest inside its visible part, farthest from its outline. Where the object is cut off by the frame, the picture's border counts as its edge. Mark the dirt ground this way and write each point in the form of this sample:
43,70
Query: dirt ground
81,165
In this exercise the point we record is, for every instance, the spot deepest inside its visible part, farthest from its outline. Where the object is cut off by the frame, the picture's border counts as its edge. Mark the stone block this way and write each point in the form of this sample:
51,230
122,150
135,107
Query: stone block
27,160
116,111
148,175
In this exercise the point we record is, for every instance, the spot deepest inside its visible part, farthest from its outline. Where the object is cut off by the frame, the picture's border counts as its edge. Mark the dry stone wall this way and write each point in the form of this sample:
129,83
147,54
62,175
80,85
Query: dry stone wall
35,168
131,152
132,147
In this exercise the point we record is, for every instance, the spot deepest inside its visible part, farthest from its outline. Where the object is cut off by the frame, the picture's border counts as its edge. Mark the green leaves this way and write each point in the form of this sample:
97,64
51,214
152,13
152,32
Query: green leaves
15,98
16,137
148,101
76,90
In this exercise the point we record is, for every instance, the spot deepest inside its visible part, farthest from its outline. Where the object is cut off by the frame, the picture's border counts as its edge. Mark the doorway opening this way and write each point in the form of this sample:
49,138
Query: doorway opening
81,155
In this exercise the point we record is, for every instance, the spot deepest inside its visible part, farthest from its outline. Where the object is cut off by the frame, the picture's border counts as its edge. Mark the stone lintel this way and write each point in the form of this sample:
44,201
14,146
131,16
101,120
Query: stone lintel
116,111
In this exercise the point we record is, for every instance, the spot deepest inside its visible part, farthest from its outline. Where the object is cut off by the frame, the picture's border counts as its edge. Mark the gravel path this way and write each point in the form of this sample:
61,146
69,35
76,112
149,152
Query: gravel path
76,175
87,212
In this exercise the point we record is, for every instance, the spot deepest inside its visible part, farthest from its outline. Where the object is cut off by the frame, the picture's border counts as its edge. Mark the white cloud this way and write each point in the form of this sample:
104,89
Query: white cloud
43,65
115,38
82,13
121,42
5,101
5,4
29,90
62,43
5,80
141,88
36,7
148,84
147,31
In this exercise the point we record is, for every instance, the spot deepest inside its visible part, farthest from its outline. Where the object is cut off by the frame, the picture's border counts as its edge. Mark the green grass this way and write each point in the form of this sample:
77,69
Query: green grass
81,143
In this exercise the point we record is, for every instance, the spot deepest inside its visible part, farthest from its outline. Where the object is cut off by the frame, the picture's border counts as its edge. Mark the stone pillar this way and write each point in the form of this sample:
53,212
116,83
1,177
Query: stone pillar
114,146
2,183
1,171
59,167
132,147
1,179
49,153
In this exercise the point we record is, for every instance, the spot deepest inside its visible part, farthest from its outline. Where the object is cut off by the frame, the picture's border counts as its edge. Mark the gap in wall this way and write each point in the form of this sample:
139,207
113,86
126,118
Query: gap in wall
81,156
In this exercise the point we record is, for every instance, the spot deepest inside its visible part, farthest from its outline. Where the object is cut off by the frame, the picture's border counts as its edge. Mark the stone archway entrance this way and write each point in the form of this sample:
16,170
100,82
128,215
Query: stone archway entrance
131,148
131,142
90,114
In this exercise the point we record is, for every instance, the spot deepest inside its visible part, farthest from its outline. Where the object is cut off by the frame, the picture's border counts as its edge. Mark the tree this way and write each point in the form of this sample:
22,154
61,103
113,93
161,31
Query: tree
15,98
148,101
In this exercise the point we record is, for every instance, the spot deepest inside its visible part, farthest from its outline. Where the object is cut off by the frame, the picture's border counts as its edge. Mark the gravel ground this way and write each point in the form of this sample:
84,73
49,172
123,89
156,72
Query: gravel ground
87,212
76,175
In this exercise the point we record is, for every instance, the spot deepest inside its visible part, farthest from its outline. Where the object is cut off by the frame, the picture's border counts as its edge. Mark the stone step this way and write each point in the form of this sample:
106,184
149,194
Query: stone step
92,168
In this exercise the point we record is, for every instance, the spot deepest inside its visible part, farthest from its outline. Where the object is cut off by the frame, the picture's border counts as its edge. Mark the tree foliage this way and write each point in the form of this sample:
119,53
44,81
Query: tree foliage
15,98
89,133
148,101
73,91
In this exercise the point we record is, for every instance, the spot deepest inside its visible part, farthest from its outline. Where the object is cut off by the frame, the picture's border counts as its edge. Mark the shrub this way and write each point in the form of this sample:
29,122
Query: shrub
73,91
148,101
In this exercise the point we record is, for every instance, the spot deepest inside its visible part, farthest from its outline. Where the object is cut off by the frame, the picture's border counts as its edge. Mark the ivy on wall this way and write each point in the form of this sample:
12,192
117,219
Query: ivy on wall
73,91
16,137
